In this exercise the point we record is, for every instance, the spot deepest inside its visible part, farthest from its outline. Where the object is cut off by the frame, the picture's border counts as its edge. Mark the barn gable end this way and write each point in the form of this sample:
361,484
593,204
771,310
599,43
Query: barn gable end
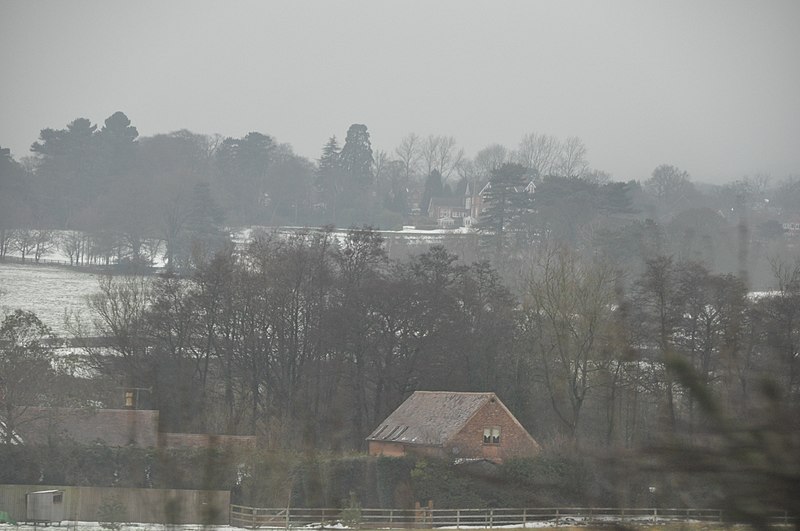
453,425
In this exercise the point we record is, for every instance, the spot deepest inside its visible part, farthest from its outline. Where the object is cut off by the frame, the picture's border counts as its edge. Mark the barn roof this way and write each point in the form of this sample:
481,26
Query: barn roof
430,418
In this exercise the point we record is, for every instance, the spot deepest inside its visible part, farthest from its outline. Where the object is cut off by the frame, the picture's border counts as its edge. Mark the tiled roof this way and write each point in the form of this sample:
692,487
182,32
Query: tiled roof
430,417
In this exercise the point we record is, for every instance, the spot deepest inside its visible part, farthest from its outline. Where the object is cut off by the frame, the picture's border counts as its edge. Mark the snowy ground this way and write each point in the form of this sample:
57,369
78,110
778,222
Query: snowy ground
47,291
50,291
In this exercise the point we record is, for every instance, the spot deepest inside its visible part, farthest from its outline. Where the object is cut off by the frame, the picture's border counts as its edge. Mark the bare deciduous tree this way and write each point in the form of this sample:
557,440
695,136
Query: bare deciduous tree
568,313
539,152
25,368
380,162
23,241
490,158
73,244
572,159
671,188
409,152
440,153
119,308
44,243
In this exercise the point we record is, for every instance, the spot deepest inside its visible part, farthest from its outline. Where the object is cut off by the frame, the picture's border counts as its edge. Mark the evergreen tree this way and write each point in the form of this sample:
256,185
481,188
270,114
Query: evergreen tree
356,156
506,200
117,145
329,176
242,171
394,188
329,161
433,188
67,170
356,163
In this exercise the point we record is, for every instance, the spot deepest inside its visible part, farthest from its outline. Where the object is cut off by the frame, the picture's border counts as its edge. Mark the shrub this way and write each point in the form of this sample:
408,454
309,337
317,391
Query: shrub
111,513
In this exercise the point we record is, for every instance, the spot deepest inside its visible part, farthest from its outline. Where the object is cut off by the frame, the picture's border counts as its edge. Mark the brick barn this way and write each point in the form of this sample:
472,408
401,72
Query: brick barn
460,426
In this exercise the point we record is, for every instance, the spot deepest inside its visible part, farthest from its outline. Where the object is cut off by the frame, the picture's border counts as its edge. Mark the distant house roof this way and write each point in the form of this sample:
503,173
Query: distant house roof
446,202
430,417
529,188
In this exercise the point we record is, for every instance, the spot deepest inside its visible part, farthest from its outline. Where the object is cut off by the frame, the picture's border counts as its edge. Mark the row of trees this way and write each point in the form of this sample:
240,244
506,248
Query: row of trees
316,340
310,341
184,188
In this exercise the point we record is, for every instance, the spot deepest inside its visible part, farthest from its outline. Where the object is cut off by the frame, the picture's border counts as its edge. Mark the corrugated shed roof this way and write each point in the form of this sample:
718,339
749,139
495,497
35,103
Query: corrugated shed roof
430,417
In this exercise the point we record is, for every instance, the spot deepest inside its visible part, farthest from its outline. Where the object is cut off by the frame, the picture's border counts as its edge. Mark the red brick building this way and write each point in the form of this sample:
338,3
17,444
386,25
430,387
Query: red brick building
453,425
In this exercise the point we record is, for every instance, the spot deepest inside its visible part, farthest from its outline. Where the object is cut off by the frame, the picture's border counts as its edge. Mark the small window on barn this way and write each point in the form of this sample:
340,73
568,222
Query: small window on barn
491,435
58,498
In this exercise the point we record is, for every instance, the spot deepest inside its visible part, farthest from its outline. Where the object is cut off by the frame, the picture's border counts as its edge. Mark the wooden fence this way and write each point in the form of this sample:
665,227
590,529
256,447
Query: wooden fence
96,268
425,518
31,260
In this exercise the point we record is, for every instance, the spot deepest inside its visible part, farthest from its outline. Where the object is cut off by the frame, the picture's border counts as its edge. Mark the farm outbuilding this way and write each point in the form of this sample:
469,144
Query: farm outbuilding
144,505
45,506
461,426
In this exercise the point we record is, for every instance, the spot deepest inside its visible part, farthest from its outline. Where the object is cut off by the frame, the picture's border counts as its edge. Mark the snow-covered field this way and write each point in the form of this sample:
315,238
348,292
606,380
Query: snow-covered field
47,291
50,291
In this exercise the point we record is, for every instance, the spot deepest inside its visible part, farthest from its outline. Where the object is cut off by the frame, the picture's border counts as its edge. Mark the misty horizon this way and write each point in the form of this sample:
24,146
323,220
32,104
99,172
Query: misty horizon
710,88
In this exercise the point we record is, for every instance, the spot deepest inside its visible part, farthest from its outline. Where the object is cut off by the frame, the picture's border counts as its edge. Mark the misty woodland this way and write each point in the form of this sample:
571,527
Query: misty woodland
646,334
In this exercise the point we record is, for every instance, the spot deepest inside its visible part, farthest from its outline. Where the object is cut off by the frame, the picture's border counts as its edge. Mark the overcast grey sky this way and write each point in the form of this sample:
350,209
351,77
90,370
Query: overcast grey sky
710,86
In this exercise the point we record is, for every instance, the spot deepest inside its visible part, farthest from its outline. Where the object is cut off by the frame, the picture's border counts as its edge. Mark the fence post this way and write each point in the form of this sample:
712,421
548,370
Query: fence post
491,518
558,516
287,518
524,517
253,512
458,518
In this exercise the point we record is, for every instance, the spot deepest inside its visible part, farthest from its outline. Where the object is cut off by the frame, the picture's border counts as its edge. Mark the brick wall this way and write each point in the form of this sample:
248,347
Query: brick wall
390,449
113,427
514,440
395,449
